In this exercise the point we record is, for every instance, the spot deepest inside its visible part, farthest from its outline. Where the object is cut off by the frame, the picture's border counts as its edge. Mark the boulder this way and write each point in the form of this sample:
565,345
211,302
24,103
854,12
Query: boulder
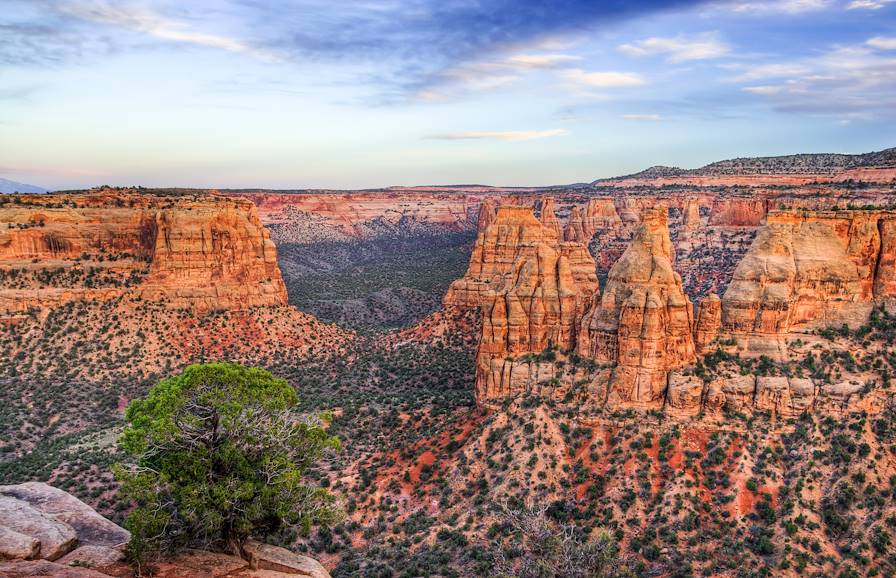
685,394
93,556
56,538
91,528
266,557
46,569
739,391
16,546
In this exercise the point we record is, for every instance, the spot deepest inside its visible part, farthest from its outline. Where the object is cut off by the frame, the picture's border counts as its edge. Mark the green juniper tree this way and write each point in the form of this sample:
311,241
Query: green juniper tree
219,457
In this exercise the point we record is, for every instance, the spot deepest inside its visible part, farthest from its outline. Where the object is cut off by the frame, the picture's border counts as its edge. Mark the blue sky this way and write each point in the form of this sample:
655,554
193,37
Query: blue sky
351,94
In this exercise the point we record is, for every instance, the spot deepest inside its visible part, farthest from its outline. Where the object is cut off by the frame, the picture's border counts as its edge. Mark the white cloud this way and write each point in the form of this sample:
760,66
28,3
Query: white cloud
157,26
511,135
773,70
602,79
765,89
779,6
883,42
643,117
531,61
868,4
679,48
854,81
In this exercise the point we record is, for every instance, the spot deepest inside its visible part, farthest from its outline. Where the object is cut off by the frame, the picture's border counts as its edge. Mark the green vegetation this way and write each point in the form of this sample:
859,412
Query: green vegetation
220,456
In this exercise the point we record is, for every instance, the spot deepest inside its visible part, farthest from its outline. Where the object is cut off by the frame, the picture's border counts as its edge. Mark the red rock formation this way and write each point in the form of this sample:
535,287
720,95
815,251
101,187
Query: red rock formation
189,252
885,271
486,214
709,320
643,321
690,218
212,257
548,216
600,213
806,269
575,228
532,289
737,212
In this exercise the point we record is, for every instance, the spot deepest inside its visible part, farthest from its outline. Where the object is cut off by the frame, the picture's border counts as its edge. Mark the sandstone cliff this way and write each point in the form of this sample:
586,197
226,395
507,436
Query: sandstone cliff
531,288
810,269
643,322
195,252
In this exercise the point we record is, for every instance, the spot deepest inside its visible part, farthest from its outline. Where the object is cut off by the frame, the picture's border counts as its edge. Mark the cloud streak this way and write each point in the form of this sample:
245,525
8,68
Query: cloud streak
511,135
602,79
679,48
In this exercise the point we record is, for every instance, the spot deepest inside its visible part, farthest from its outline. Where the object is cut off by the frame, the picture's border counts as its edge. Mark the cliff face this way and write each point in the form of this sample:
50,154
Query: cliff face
810,268
737,212
187,252
531,288
213,257
643,322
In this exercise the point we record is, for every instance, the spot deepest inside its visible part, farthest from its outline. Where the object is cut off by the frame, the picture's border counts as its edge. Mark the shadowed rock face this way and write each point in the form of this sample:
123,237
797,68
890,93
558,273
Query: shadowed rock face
810,268
643,322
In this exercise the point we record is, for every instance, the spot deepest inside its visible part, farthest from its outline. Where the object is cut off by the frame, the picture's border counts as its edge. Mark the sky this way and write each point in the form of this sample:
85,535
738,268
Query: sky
370,93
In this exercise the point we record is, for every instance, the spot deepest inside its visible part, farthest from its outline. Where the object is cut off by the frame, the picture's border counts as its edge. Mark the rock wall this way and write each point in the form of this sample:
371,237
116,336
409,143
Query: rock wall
197,252
807,269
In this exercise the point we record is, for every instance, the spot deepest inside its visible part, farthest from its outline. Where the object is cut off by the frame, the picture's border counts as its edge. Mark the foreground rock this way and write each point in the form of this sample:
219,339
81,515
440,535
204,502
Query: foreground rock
73,541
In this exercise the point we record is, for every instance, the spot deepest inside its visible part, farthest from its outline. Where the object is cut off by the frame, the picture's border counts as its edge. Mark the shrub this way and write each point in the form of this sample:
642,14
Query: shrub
219,457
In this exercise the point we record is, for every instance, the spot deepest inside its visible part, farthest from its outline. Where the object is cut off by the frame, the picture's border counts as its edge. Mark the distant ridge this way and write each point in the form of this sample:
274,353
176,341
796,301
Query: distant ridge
7,186
799,164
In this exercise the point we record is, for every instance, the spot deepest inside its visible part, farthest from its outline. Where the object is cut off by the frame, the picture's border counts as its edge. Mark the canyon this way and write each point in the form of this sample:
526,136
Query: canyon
701,364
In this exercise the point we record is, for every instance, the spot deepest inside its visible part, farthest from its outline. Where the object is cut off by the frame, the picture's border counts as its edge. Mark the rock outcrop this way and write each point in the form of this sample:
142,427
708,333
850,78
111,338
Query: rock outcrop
575,228
737,212
57,521
810,269
532,289
643,321
600,213
548,216
194,252
48,533
709,321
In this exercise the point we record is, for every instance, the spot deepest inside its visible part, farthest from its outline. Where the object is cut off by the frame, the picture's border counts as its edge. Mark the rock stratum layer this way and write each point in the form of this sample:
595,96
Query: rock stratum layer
199,253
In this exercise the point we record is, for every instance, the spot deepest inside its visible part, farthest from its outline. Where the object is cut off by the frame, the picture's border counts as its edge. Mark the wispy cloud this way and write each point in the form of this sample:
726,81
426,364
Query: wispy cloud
679,48
602,79
846,81
868,4
511,135
882,42
643,117
145,22
778,6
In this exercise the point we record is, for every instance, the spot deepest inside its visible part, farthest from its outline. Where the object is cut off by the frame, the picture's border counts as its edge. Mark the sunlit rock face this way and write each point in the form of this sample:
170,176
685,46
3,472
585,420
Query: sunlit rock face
643,321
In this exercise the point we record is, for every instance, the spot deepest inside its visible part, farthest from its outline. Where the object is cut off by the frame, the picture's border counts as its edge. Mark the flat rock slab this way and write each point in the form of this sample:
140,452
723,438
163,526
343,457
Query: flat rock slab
92,528
266,557
56,538
45,569
93,556
16,546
